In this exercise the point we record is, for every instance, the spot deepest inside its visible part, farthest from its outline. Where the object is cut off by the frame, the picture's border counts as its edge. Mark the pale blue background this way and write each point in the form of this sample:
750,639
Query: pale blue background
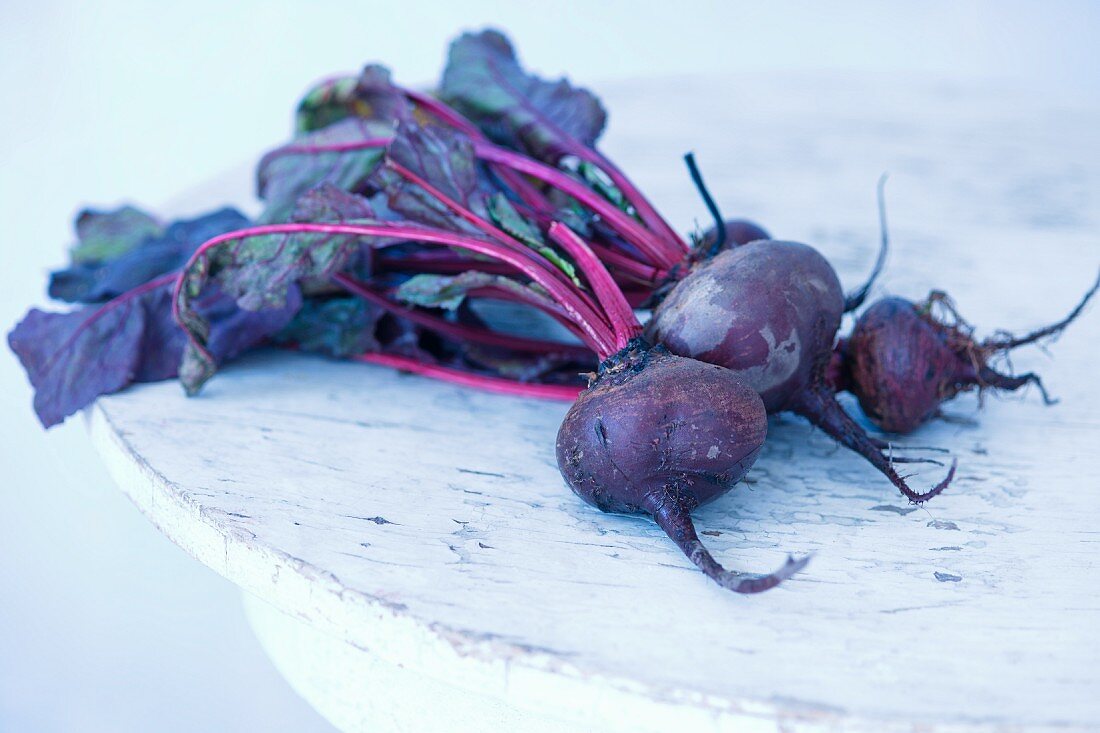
106,626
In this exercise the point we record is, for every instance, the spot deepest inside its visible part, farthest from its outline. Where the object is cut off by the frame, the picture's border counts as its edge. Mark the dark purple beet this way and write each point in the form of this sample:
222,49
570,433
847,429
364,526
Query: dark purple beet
764,310
658,434
738,232
902,362
900,367
769,311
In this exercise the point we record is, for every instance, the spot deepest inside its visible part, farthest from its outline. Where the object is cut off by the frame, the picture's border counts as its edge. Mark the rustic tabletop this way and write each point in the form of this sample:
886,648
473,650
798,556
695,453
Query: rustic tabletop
412,560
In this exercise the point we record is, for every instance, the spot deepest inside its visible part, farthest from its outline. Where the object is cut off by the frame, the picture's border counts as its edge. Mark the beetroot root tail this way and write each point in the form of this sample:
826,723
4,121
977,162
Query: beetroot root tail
821,408
675,520
855,299
1005,342
889,445
1010,383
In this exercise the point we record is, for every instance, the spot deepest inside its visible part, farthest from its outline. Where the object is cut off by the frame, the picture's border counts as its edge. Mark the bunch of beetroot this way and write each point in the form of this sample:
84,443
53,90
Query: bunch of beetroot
393,215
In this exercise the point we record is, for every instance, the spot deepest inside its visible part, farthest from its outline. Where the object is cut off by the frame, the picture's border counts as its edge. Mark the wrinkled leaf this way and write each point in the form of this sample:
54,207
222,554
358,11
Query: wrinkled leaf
339,327
376,98
449,291
284,175
103,235
598,181
258,272
441,158
337,112
505,216
546,119
331,203
324,104
327,203
371,95
92,282
72,358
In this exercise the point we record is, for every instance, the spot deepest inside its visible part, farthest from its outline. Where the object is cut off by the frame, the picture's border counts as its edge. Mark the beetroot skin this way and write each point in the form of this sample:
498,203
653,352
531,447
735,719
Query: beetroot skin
660,435
900,367
769,339
737,233
769,312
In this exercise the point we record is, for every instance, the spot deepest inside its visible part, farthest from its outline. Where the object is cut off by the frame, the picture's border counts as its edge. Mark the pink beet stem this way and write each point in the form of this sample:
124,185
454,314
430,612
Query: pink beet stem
596,330
637,271
489,228
623,321
641,204
546,306
488,383
448,263
647,242
445,263
458,331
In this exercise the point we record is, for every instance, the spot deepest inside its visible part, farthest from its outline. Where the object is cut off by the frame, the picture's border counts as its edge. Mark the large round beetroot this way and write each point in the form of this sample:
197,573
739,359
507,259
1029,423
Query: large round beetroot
764,310
658,434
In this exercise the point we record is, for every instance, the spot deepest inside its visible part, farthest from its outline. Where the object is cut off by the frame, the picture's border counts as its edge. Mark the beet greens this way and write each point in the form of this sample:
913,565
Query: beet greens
128,260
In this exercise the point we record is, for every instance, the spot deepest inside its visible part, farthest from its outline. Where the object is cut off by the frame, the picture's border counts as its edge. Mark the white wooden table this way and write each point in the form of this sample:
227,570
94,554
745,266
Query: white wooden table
412,561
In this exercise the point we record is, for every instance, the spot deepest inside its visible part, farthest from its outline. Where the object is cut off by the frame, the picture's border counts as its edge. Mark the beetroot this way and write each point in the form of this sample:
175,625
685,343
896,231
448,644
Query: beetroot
769,311
764,309
734,232
902,361
659,434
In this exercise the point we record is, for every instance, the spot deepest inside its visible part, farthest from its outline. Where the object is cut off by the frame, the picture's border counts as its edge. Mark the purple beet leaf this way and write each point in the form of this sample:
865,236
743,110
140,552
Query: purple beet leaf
328,202
425,163
102,235
286,173
97,281
260,270
72,358
546,119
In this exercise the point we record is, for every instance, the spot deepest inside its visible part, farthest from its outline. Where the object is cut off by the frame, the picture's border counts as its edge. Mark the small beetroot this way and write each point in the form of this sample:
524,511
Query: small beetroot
903,360
734,233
